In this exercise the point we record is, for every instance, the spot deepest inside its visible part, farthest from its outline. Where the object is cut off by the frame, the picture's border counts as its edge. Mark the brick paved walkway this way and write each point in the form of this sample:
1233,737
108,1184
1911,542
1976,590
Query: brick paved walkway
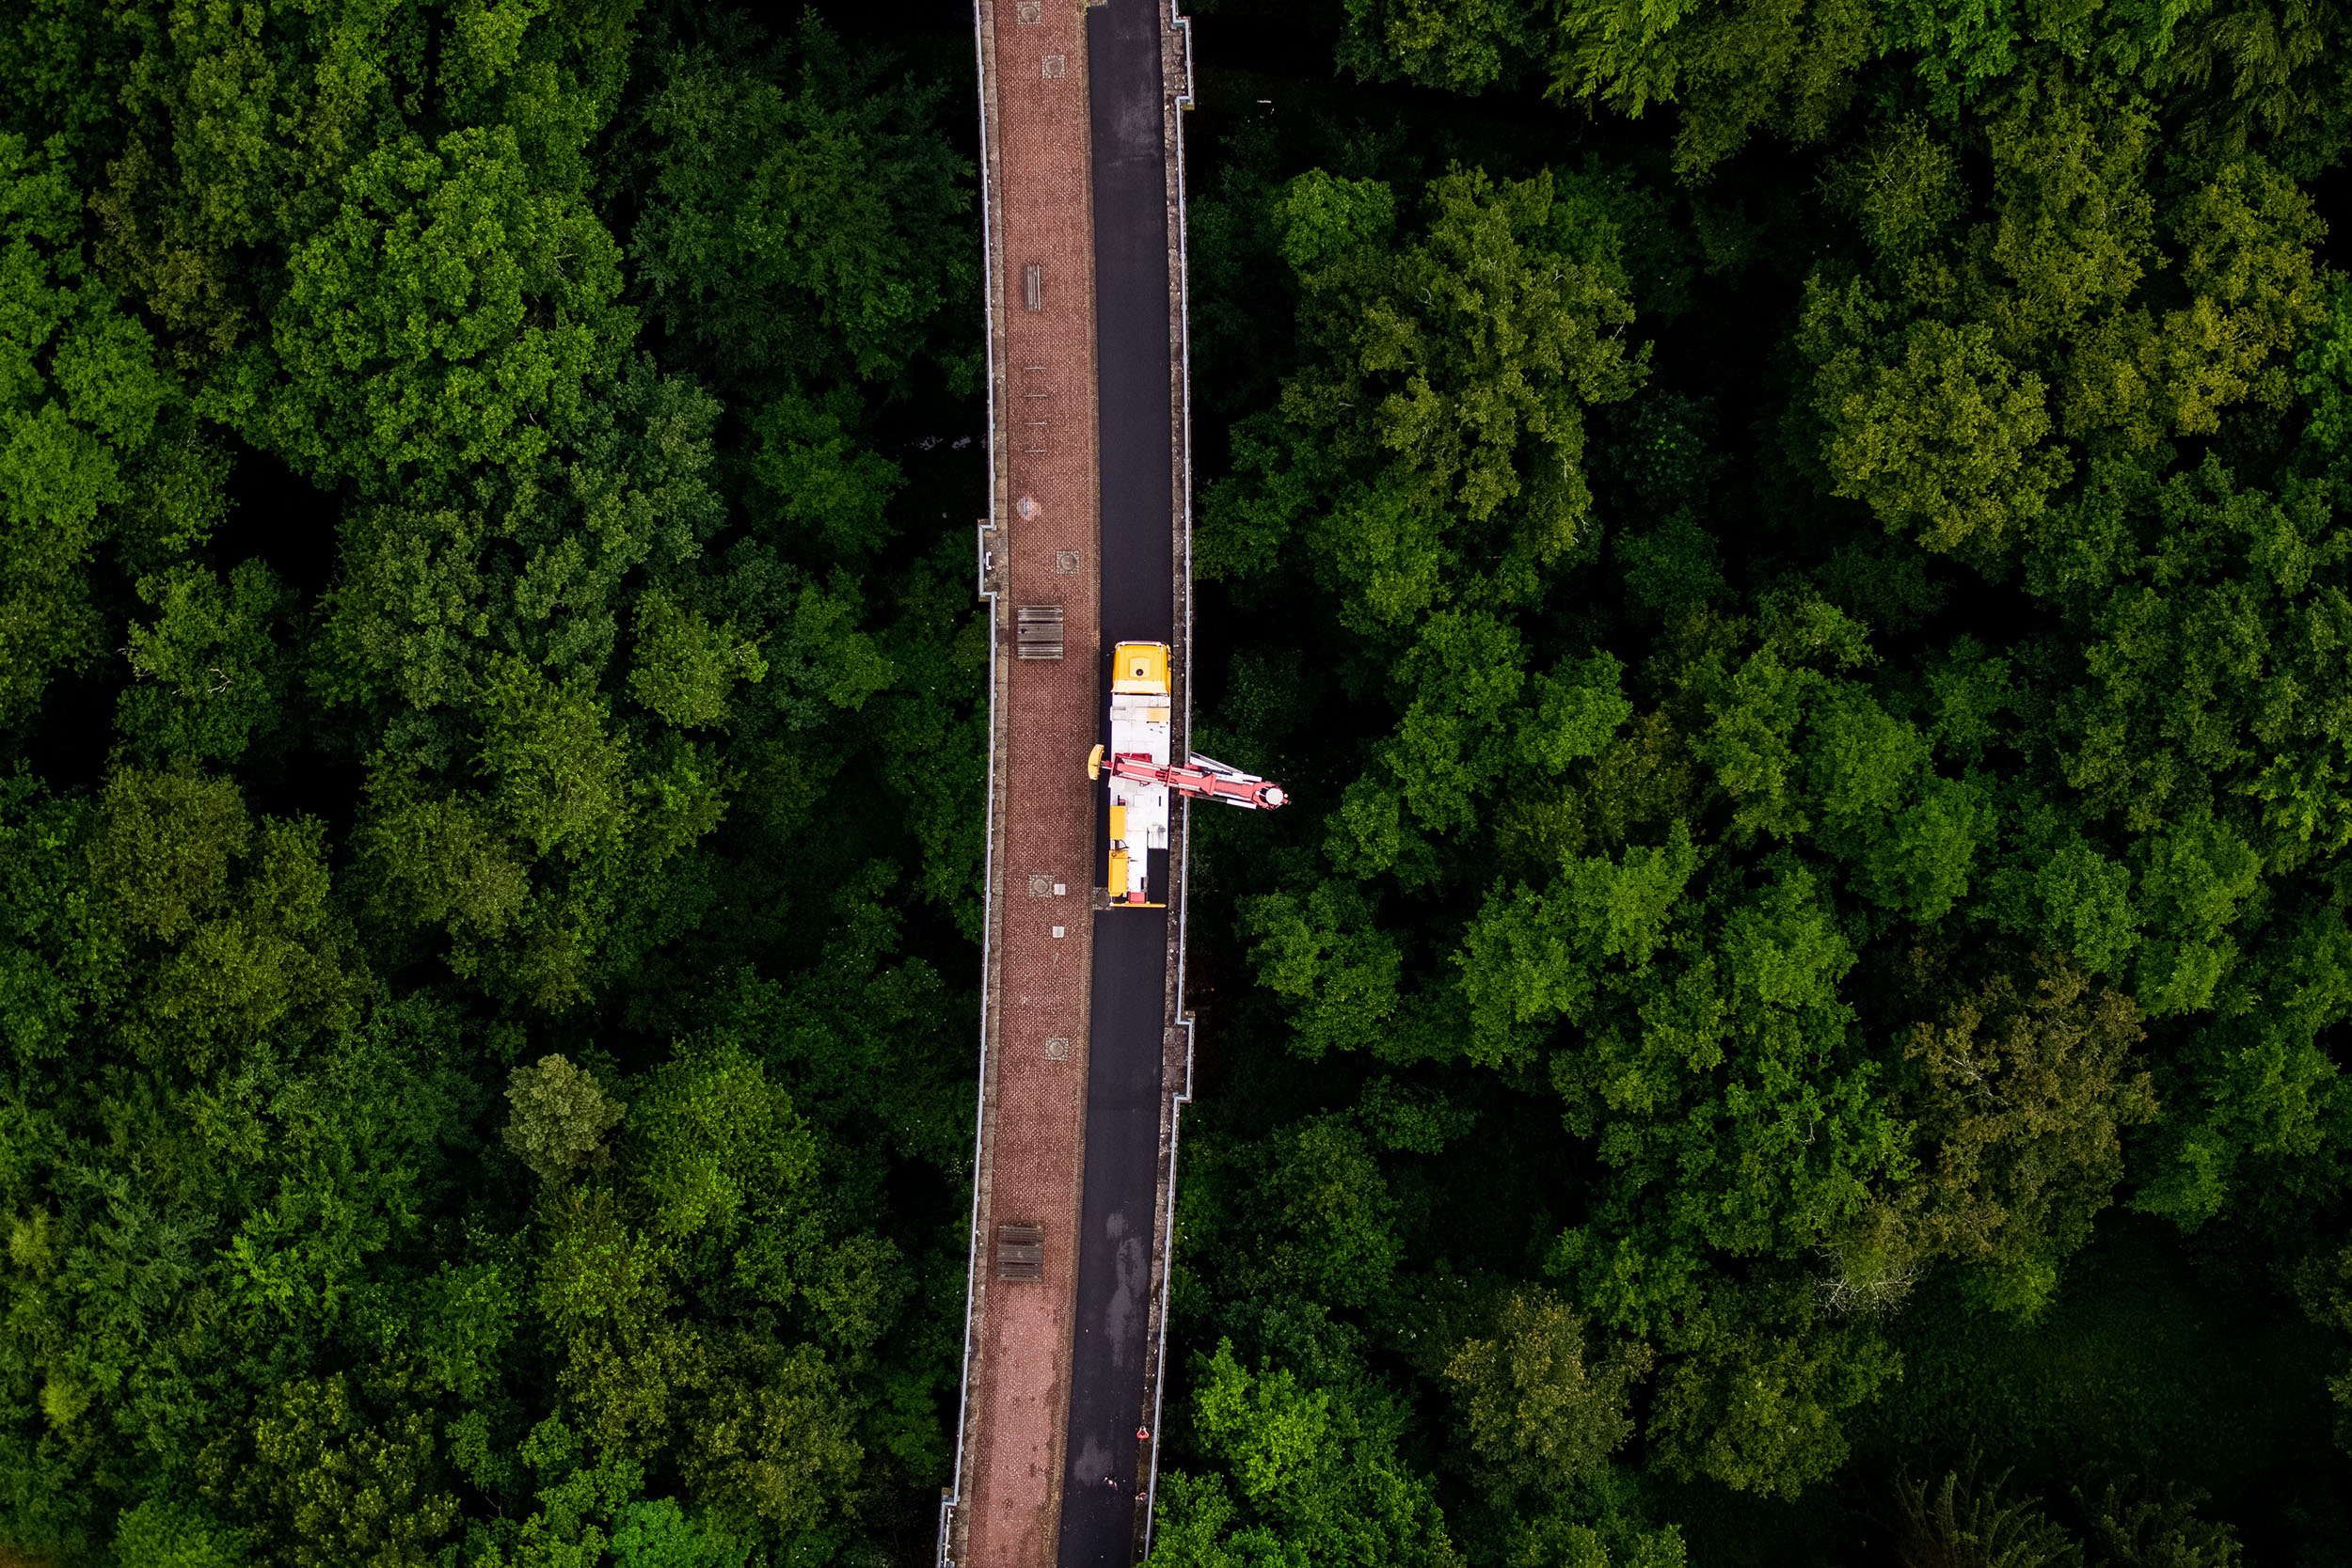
1016,1380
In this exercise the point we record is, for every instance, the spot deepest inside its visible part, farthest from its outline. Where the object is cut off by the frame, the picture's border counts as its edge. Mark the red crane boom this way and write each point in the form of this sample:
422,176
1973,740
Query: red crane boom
1206,779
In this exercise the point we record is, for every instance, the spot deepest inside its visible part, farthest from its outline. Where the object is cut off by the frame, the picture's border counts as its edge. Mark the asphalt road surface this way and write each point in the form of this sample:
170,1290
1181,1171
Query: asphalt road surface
1132,376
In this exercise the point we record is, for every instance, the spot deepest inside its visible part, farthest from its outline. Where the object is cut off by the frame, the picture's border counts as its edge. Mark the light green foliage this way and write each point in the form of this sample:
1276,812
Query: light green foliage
560,1118
1903,186
240,132
326,1216
1550,1540
1463,48
2074,232
1318,1476
563,792
1812,683
1757,1407
655,1534
1322,217
1941,437
93,1289
1735,68
1935,396
1911,835
218,673
1271,1426
1512,346
576,1498
339,1486
713,1139
605,1290
1578,713
1733,64
1333,1237
538,561
553,799
269,968
686,667
2245,253
1465,671
2200,603
167,846
447,859
469,307
2324,374
2230,632
1861,762
1753,711
1877,894
456,1322
157,1534
1325,956
1532,957
1541,1413
250,954
1673,567
807,467
2197,876
556,769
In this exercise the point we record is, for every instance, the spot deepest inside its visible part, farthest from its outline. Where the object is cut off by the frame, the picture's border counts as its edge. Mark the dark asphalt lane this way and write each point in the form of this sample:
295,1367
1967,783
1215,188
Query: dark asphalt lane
1118,1214
1133,372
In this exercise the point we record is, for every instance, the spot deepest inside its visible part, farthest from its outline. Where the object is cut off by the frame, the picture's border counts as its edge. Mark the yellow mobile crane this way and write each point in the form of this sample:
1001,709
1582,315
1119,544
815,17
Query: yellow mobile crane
1142,778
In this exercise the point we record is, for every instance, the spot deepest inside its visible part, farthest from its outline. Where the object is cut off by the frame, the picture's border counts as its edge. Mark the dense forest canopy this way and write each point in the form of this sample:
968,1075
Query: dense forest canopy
492,701
1792,556
1794,559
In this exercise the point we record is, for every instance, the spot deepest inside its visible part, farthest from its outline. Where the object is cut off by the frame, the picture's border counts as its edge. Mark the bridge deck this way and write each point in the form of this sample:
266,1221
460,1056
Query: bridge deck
1085,1053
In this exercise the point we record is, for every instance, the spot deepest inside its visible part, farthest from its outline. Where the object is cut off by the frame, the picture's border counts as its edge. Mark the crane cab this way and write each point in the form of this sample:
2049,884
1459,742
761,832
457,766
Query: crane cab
1140,670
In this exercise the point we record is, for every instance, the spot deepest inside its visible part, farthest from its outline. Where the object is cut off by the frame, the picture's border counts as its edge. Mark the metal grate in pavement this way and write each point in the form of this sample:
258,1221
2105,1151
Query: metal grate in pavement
1036,631
1021,1254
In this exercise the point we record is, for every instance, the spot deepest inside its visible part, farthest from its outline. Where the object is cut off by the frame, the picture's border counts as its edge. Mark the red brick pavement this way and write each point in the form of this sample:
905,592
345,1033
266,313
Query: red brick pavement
1017,1383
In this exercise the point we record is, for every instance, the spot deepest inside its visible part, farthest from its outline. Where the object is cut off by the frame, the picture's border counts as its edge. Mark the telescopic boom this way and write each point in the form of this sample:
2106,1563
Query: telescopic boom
1206,779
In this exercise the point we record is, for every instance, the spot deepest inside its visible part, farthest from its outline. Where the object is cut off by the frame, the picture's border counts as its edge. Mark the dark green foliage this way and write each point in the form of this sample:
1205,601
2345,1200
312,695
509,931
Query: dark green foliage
1804,603
1823,808
488,1065
800,218
1961,1522
81,401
